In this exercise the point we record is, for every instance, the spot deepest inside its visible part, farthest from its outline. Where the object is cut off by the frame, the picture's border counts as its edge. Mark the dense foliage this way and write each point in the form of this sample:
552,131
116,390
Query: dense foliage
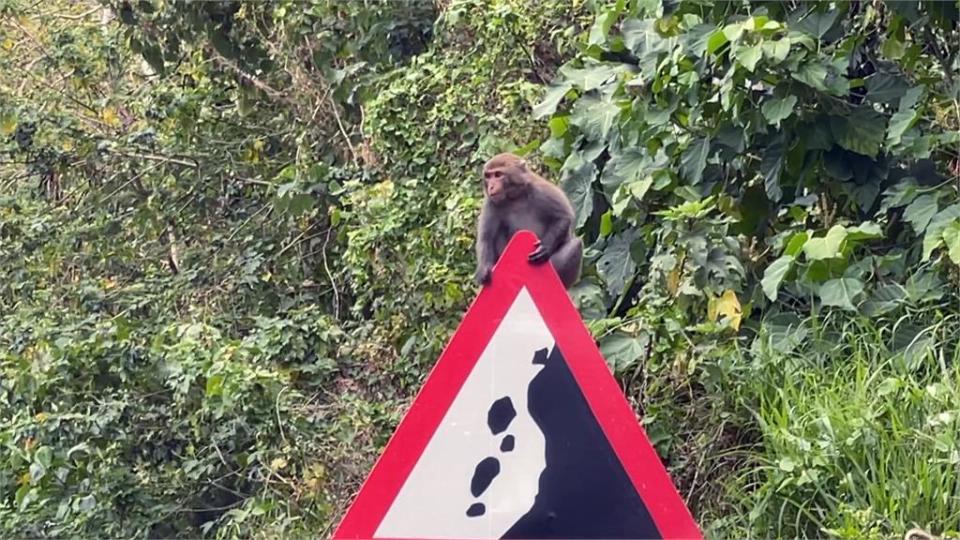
235,236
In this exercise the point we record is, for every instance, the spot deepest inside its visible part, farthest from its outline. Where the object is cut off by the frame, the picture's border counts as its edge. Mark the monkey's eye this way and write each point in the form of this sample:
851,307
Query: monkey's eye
497,174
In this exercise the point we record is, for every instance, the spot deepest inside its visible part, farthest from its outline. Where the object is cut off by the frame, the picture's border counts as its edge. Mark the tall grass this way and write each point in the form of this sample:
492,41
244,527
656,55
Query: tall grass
855,430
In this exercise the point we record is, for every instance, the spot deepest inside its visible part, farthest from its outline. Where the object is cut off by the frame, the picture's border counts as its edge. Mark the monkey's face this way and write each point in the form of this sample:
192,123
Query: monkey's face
503,179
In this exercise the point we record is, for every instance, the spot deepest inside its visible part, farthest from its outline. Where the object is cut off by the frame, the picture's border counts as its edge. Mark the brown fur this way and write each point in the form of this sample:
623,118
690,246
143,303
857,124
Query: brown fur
517,199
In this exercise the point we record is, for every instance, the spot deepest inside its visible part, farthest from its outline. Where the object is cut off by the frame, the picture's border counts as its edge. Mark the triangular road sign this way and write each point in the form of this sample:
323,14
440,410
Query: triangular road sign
520,431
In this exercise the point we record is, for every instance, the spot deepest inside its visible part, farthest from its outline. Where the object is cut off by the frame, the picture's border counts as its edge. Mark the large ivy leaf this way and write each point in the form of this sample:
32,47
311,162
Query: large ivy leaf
774,274
861,131
905,116
594,117
623,166
818,23
884,299
615,266
776,51
555,94
934,236
716,40
642,38
577,181
601,27
776,110
951,237
841,293
592,76
638,34
886,87
694,159
919,212
796,243
867,230
771,167
631,165
749,55
695,40
813,74
826,247
622,351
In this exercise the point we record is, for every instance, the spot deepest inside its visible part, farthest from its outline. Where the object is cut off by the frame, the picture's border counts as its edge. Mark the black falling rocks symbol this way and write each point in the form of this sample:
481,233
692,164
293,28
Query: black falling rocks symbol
499,417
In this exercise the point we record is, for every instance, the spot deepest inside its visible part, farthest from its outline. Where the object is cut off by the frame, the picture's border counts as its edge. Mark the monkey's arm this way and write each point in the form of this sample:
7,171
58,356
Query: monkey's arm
556,233
559,219
486,250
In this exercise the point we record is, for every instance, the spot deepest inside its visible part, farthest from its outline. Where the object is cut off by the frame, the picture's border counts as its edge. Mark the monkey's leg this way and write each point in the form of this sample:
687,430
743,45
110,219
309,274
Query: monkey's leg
567,261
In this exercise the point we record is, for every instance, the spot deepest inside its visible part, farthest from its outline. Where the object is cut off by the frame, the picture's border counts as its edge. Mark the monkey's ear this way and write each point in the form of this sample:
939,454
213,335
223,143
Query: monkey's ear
522,164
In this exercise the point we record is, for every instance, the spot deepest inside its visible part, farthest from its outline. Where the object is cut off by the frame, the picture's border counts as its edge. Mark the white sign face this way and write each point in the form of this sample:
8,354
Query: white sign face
480,471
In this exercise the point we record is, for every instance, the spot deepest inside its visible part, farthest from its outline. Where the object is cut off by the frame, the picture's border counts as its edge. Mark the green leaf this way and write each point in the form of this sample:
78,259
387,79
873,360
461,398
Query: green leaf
884,299
716,40
919,212
696,40
87,503
796,243
606,223
601,27
818,23
615,266
694,159
154,56
748,56
621,350
591,77
826,247
774,274
594,117
934,236
776,51
777,110
886,87
577,181
44,456
813,74
951,237
771,166
841,293
733,31
906,115
555,94
638,188
816,134
861,131
867,230
637,33
214,385
627,164
893,48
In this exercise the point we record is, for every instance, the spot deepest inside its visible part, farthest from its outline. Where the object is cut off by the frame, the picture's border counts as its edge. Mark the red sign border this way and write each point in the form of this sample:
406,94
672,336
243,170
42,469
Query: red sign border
612,411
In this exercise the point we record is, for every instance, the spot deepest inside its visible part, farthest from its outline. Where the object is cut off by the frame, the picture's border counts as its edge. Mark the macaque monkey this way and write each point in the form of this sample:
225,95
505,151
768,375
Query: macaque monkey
516,199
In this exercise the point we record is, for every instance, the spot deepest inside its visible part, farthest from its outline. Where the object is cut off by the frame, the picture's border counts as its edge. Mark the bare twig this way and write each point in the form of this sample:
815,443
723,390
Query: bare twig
336,292
280,420
269,90
76,17
172,256
195,164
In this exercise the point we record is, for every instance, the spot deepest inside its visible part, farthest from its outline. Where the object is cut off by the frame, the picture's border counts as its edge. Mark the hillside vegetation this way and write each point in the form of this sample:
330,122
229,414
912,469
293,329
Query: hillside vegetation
235,236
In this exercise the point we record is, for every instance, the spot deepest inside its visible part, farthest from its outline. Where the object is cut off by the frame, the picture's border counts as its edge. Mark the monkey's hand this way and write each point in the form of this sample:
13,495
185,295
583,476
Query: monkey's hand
482,276
538,255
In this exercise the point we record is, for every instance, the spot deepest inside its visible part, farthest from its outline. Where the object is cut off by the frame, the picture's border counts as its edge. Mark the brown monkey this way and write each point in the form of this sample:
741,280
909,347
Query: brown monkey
517,199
